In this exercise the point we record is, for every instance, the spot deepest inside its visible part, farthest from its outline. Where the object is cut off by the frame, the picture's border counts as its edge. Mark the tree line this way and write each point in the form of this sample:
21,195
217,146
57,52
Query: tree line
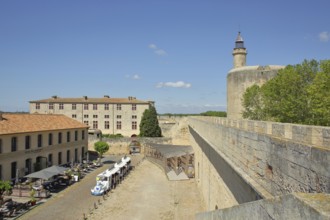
297,94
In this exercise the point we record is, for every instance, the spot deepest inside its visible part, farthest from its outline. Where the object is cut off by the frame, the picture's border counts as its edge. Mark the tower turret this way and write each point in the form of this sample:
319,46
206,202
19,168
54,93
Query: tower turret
239,52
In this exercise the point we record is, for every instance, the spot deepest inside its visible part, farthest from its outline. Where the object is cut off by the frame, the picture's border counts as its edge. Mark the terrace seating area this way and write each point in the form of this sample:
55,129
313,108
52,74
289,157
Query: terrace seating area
20,200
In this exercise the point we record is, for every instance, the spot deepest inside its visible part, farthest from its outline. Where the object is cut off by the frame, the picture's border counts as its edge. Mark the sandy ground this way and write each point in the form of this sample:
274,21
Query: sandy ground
147,194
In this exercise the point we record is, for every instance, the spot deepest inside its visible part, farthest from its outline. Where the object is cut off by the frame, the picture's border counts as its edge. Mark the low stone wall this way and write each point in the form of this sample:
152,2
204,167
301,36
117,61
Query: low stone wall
119,146
294,206
273,158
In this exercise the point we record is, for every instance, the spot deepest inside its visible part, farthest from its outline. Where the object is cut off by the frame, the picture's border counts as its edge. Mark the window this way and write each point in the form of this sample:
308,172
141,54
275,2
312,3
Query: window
118,116
75,155
39,140
133,107
74,116
86,123
94,116
85,106
13,144
118,106
28,166
50,139
75,135
106,116
106,125
83,135
51,106
37,105
60,138
134,125
74,106
27,142
68,136
82,152
50,160
59,157
106,106
13,169
95,126
61,106
85,116
118,125
68,156
0,148
94,106
134,117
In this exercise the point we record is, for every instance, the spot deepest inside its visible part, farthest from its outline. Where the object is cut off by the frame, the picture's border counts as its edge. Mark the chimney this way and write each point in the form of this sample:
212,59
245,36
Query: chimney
106,96
54,96
85,97
1,116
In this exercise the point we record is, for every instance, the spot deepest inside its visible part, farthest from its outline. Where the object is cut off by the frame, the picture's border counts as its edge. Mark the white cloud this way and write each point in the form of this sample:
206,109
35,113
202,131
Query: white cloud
324,36
157,50
135,77
178,84
153,46
160,52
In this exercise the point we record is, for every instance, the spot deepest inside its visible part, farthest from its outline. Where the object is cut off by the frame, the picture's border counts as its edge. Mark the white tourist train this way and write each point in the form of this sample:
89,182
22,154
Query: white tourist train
111,177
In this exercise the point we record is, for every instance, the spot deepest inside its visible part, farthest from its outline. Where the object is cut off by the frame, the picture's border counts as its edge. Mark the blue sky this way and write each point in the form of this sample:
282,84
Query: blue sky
175,52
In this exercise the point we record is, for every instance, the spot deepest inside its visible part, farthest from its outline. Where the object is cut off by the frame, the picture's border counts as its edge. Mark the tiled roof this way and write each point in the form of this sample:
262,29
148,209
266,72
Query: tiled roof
129,100
22,123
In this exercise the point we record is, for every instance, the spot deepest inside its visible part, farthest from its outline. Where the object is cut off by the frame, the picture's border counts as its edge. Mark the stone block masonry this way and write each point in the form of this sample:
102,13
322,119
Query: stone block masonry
273,158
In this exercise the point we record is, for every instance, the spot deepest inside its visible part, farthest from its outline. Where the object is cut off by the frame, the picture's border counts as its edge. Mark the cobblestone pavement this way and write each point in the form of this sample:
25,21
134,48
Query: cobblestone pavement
144,194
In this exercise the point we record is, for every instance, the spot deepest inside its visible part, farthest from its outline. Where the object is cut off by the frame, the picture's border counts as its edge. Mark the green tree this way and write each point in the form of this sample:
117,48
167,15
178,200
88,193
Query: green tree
149,126
5,187
252,103
101,147
319,93
297,94
214,113
285,97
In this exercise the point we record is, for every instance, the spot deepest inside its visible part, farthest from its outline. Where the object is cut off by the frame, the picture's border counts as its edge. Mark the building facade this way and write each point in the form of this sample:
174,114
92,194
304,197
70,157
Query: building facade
241,77
110,115
31,142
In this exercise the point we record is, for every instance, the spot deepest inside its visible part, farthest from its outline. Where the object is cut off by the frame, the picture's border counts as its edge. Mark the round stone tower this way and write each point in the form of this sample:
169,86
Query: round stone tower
241,77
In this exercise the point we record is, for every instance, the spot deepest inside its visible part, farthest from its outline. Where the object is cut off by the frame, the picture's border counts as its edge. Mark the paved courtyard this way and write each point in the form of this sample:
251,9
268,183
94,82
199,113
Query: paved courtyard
144,194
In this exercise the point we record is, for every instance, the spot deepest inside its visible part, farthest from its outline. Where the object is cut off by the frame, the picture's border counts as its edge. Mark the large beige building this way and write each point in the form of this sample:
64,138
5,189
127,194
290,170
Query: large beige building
110,115
31,142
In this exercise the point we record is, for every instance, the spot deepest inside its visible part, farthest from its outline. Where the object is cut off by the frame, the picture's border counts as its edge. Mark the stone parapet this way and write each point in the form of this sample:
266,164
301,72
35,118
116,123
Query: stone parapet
305,134
293,206
279,158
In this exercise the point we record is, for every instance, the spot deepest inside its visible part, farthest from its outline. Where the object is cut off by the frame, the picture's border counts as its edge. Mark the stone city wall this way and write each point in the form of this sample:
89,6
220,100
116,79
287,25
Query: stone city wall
273,158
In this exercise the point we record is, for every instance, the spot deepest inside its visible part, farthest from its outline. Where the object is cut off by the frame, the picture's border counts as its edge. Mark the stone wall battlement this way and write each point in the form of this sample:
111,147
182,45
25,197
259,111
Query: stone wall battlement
311,135
273,157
